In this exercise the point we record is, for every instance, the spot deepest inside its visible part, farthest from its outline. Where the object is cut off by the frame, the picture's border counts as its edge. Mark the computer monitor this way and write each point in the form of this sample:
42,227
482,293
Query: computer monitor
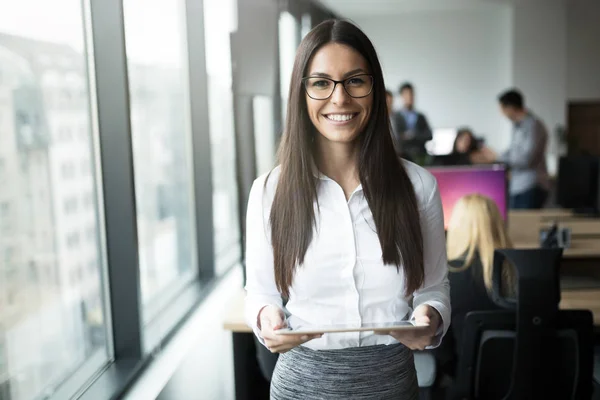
442,141
578,183
456,182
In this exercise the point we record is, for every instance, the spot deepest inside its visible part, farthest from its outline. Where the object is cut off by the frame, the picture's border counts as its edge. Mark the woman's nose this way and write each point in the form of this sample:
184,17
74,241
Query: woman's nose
339,95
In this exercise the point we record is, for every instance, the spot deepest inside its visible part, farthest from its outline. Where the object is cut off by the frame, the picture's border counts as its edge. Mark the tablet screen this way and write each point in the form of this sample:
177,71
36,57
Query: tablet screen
378,326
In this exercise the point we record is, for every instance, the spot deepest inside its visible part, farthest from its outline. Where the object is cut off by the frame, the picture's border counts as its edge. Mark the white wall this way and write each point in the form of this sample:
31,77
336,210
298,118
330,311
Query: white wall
459,60
583,50
539,63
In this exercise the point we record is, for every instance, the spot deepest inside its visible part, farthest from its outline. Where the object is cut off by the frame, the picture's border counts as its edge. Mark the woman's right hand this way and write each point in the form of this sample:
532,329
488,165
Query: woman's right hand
484,155
271,318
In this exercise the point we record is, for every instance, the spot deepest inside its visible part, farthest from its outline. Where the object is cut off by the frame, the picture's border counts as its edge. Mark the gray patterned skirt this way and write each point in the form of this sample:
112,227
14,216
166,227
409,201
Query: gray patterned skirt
373,373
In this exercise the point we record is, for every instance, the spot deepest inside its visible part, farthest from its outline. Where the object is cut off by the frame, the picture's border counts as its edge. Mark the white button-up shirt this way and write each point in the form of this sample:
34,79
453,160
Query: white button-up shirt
343,279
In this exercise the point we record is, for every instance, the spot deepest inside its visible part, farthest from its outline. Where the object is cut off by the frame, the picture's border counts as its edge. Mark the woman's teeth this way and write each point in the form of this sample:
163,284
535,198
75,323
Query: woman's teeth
340,117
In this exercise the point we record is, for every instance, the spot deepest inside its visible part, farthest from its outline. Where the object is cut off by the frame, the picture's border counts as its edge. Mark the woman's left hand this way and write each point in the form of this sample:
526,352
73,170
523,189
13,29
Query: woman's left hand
418,340
484,155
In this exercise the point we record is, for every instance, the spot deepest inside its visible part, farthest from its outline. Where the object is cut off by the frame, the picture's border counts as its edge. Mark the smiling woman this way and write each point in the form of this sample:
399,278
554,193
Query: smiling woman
346,231
346,113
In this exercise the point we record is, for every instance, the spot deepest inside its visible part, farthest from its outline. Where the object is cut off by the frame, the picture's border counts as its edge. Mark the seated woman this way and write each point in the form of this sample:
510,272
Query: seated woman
466,149
475,230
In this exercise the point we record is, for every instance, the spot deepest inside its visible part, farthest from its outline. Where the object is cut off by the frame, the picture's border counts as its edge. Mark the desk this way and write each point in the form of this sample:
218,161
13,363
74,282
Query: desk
581,261
234,320
250,384
524,228
587,299
578,251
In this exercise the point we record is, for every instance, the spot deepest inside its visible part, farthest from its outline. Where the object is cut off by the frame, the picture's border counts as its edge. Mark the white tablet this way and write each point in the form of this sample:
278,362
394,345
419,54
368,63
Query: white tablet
383,327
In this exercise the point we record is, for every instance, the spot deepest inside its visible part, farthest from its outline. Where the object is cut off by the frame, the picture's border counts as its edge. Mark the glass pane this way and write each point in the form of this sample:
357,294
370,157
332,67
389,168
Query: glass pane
264,133
52,314
306,25
160,123
219,20
288,43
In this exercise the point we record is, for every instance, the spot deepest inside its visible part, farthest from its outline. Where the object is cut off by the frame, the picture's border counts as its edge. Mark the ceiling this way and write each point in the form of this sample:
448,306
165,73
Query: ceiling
358,8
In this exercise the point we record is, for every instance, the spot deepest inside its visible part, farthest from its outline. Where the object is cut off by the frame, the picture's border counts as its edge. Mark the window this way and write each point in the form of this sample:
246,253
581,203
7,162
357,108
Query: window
65,134
91,234
288,42
9,254
84,133
33,272
43,335
5,218
92,266
219,18
160,123
71,205
264,133
67,170
4,209
72,240
85,167
88,200
306,24
79,273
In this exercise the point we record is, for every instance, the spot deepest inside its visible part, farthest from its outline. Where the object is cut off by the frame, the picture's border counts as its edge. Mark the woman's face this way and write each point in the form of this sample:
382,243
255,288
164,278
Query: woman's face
463,142
340,118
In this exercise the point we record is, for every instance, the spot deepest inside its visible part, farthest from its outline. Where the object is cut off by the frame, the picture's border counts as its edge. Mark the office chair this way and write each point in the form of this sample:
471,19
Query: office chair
530,350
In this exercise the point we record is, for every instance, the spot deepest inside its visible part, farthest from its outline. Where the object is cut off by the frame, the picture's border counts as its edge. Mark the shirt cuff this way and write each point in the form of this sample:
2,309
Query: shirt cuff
253,322
444,323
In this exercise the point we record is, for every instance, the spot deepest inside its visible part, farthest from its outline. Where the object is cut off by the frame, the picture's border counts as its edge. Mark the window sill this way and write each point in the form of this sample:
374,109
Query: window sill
118,377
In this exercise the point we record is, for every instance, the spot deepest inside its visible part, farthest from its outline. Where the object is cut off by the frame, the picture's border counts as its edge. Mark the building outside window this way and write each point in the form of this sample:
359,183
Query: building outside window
45,317
219,22
289,39
162,153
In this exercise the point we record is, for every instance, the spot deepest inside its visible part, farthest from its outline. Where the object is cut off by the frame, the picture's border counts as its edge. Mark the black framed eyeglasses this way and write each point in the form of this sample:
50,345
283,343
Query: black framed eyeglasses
320,88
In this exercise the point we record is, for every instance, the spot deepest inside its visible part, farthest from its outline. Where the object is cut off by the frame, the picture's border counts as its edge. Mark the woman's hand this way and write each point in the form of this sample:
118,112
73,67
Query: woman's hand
271,318
418,340
484,155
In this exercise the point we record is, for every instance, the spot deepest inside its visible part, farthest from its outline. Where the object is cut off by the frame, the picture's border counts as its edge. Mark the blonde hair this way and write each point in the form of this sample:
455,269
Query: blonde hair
476,229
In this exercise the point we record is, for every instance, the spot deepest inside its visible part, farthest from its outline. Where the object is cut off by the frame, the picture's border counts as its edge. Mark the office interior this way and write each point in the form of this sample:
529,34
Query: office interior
131,132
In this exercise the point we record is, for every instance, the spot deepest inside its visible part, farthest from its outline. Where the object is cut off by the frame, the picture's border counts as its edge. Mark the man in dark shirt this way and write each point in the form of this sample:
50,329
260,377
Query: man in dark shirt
411,128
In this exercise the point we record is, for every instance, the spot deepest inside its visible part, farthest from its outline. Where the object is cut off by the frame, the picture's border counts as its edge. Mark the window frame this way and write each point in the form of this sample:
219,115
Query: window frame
132,343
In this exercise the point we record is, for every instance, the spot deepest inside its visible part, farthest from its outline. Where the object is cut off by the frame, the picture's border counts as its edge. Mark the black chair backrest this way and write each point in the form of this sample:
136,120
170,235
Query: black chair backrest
531,350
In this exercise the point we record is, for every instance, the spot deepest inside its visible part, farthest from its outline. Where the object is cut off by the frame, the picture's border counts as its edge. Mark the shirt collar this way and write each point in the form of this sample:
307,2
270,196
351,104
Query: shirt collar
322,177
518,124
318,174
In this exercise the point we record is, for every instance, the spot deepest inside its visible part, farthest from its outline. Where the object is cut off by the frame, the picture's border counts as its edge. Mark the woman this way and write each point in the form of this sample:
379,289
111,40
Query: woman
467,151
344,230
475,230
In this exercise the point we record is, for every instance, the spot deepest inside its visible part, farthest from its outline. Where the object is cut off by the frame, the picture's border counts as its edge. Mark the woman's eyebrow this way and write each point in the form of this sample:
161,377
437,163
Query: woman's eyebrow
324,75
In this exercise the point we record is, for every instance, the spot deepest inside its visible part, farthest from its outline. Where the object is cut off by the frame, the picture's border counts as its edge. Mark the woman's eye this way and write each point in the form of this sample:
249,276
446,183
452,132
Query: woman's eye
320,84
355,81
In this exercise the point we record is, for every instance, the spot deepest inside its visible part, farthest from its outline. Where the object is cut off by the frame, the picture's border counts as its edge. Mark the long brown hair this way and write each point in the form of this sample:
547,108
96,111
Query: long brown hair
386,185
